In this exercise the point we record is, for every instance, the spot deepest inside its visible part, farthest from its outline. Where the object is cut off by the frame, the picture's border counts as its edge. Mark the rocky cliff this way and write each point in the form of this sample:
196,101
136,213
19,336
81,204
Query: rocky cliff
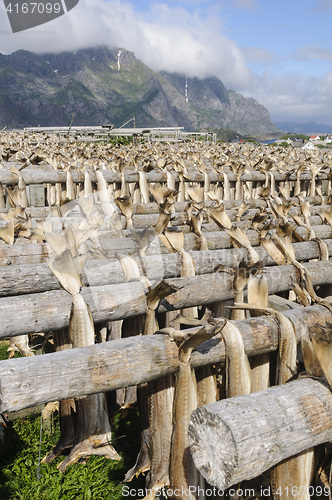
103,85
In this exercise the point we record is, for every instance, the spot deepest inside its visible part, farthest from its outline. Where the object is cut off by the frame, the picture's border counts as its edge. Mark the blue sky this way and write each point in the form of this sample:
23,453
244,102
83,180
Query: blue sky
277,52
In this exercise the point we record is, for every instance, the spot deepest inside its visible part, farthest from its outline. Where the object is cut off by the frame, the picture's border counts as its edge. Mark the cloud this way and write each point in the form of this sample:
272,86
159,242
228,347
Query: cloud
189,39
289,97
165,37
309,52
246,4
256,55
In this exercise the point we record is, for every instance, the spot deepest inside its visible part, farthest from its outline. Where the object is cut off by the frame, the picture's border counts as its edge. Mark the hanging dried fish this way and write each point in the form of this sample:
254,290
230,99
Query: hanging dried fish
258,294
92,430
143,184
7,232
183,472
18,195
238,376
67,407
20,344
322,344
155,409
195,222
125,204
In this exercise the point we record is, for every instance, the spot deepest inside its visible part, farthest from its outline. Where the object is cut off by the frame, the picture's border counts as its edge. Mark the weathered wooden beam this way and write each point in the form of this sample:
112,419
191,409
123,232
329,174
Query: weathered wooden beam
177,219
120,363
39,176
239,438
27,253
153,208
36,278
43,312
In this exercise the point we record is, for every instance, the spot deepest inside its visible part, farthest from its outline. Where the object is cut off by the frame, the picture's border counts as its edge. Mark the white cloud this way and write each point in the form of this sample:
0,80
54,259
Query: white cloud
289,97
246,4
170,38
310,52
257,55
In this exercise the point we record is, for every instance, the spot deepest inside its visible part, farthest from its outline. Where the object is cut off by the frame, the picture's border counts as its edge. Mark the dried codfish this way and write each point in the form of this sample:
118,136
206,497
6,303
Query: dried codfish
258,294
238,378
183,472
322,344
160,405
227,191
92,427
70,188
195,222
143,462
17,195
154,407
87,184
7,232
242,273
287,341
220,217
20,344
144,188
298,471
125,204
310,360
242,240
2,197
67,407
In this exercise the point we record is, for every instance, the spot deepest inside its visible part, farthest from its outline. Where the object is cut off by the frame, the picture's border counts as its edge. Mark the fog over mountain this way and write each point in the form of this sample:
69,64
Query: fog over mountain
281,56
102,85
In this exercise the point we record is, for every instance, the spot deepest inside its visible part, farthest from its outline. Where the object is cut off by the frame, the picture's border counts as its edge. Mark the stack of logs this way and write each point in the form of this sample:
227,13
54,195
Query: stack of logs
207,262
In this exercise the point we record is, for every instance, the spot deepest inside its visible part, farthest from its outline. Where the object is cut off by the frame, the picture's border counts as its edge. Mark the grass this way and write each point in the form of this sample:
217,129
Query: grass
22,478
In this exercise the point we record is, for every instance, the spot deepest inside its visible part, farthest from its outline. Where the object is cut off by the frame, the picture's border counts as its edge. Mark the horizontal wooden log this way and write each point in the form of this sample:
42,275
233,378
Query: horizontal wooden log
239,438
50,176
120,363
33,253
36,278
177,219
44,312
153,208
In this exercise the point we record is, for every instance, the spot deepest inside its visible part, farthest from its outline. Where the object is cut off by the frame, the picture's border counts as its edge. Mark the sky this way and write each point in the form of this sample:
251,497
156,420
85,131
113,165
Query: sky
278,52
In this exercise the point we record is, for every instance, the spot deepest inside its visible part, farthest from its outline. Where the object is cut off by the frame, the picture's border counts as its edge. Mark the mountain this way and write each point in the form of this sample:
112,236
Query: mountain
103,85
305,127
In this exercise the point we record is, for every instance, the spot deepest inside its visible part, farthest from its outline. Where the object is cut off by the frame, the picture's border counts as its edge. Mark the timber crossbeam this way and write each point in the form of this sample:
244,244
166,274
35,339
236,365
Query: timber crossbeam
34,380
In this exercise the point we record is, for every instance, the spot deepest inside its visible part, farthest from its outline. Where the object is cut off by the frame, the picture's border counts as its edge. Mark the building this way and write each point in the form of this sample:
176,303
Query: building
314,138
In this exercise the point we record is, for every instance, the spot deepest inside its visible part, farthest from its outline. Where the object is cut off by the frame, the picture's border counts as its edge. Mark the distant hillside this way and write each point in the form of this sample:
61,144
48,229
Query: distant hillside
103,85
305,127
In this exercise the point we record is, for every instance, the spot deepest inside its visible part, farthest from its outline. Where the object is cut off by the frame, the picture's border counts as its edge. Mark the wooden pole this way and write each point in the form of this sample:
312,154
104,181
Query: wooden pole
44,312
153,208
36,278
130,361
177,219
239,438
27,253
38,176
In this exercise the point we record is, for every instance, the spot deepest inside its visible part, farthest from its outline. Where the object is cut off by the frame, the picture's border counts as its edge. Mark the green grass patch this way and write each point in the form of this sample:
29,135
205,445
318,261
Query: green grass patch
23,478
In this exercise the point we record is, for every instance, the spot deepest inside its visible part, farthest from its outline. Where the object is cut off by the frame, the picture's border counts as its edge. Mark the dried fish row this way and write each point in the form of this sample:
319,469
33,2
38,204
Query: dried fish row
100,196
